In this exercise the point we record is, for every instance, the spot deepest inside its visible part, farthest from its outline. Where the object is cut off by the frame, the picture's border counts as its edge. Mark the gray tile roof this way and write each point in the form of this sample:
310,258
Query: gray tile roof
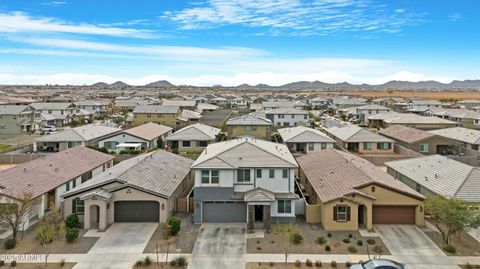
180,103
302,134
12,109
441,175
409,118
159,172
82,133
51,106
154,109
335,174
288,111
46,173
249,120
197,131
352,133
469,136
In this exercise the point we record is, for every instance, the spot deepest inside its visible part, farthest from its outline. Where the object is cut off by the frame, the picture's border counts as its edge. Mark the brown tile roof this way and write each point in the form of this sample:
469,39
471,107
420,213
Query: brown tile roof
405,134
148,131
334,174
46,173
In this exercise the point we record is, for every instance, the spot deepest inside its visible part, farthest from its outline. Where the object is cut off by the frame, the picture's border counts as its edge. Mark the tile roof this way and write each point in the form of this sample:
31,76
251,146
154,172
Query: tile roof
159,172
353,133
409,118
441,175
51,106
469,136
287,111
302,134
334,174
405,134
180,103
12,109
46,173
197,131
148,131
249,119
245,152
155,109
82,133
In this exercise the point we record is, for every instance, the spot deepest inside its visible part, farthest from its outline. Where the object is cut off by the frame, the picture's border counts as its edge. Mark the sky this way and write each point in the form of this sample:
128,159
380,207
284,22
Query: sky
231,42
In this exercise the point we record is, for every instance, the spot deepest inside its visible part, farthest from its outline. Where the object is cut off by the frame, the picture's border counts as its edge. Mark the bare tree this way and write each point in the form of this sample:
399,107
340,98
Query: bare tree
284,233
15,212
51,228
167,238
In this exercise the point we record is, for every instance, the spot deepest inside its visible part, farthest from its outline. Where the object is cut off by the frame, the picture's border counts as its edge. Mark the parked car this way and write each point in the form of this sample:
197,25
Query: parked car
379,264
48,129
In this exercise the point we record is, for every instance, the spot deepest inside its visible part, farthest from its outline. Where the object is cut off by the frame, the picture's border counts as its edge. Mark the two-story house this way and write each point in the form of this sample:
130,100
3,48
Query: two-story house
249,125
57,114
288,117
245,180
163,115
18,119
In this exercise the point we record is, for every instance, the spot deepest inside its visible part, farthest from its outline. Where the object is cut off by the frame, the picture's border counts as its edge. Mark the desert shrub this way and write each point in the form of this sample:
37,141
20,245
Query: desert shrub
309,263
139,263
346,241
175,225
352,249
10,243
271,264
378,249
333,264
321,240
371,241
13,263
2,262
179,261
328,248
147,261
318,263
72,221
449,248
359,242
298,263
72,234
348,264
62,262
296,238
350,235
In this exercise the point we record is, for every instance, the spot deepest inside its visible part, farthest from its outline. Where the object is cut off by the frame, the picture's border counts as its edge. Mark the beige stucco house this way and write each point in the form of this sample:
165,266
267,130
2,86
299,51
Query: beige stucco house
345,193
141,189
249,126
192,138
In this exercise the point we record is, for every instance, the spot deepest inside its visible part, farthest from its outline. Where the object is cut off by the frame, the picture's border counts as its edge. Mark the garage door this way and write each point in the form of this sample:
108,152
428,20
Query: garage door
136,211
224,212
393,215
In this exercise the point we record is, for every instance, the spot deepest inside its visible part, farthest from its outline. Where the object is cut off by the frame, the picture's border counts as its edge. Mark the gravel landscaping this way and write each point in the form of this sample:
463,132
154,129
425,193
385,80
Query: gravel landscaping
464,243
313,235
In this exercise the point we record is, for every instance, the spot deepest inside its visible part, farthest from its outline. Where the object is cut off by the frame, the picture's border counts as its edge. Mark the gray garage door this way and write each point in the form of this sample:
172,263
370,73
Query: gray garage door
224,212
136,211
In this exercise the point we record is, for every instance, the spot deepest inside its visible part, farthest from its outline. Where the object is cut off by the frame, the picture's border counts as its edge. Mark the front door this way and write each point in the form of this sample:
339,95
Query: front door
259,213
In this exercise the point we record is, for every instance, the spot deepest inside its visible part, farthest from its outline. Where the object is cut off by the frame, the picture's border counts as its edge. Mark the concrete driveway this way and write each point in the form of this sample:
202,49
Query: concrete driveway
220,245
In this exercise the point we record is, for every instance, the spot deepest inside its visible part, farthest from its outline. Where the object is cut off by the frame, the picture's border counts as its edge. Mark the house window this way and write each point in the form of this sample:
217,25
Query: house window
259,173
342,213
293,116
78,206
210,176
186,144
423,147
202,144
284,206
71,144
205,176
271,173
285,173
384,146
243,175
149,115
67,186
74,183
367,146
249,128
281,116
323,145
305,117
310,146
86,176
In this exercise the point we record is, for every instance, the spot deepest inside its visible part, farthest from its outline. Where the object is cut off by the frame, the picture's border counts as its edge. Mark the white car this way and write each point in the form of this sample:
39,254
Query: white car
48,129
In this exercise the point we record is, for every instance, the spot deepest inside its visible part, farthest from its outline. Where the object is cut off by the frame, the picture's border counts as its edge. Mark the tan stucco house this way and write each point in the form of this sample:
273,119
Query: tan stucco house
140,189
345,193
249,126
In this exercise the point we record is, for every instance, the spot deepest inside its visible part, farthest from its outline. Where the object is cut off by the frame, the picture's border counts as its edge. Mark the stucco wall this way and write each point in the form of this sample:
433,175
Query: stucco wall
262,131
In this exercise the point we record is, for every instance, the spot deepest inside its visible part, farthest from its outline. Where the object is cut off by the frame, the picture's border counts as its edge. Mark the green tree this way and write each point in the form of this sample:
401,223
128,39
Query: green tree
51,228
451,216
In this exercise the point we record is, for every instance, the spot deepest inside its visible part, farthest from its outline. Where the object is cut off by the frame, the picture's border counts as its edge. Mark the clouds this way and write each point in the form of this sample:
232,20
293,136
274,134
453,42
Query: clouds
19,22
295,17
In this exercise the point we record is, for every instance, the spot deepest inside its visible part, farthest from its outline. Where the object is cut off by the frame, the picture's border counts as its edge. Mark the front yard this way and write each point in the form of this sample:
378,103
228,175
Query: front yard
464,243
4,148
313,235
182,243
302,264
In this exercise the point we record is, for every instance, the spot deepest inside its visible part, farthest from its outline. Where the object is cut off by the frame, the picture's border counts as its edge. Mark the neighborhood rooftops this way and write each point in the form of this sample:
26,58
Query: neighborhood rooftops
82,133
441,175
335,174
245,152
459,133
157,172
302,134
249,119
352,133
409,118
155,109
197,131
148,131
51,106
405,134
46,173
13,109
288,111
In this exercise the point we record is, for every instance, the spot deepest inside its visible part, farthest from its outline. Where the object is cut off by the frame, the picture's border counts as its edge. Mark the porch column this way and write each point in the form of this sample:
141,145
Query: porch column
266,218
369,212
102,222
251,218
86,216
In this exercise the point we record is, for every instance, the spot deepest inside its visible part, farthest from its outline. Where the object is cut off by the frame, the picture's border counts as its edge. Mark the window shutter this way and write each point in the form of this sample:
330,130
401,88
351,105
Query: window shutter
334,212
348,213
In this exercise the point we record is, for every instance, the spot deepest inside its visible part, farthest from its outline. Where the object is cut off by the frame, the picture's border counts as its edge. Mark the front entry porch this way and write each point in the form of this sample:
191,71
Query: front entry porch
259,202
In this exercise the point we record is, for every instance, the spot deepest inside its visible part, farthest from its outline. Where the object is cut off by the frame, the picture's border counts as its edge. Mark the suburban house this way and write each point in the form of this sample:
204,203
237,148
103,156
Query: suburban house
182,104
345,102
345,193
46,179
86,135
57,114
409,119
96,107
364,112
18,119
126,105
468,103
319,103
465,117
439,175
148,135
468,138
359,140
249,125
421,141
288,117
245,180
141,189
387,101
305,139
192,138
419,105
163,115
238,102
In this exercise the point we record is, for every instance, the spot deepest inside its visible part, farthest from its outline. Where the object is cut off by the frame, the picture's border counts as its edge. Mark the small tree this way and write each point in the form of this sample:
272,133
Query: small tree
167,238
284,232
451,216
15,212
51,228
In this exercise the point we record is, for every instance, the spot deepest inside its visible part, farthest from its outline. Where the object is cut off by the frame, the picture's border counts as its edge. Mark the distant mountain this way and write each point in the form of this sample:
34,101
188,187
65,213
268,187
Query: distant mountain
160,83
306,84
100,85
245,86
119,84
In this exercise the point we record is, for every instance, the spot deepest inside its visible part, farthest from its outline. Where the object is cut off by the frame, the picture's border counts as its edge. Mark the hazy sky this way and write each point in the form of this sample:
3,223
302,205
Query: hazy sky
229,42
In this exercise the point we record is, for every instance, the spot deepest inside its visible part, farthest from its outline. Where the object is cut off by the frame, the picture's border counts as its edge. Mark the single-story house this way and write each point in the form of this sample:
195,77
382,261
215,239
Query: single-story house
469,138
47,178
410,120
345,193
438,175
249,125
305,139
359,140
148,135
140,189
420,141
192,138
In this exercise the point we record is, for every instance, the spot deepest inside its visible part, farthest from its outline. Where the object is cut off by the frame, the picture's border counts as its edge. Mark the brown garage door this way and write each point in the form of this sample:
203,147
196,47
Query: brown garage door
393,215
